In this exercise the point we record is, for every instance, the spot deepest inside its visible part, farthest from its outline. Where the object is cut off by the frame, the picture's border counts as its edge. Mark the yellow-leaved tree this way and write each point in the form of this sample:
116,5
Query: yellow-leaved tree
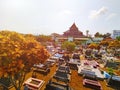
18,53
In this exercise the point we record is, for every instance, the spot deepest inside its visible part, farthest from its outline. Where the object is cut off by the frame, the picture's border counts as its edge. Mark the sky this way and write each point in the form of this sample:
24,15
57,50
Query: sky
57,16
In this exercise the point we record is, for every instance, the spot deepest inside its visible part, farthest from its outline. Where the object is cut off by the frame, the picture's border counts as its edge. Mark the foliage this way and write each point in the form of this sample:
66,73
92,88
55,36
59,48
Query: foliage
104,43
110,71
114,44
18,54
118,38
69,46
106,35
98,35
43,38
94,46
77,42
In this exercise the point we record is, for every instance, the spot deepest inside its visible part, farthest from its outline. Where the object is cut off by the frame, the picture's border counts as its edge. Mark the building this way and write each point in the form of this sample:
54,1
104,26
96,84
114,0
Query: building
94,40
73,34
116,33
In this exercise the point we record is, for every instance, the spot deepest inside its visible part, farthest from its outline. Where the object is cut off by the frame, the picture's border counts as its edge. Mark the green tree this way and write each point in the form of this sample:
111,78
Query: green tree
98,35
110,71
69,46
106,35
118,38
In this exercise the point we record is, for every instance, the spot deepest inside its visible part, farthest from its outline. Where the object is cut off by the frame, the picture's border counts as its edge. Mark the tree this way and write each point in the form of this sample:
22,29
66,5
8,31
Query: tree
94,46
106,35
104,43
110,71
98,35
43,38
118,38
69,46
77,42
114,44
18,54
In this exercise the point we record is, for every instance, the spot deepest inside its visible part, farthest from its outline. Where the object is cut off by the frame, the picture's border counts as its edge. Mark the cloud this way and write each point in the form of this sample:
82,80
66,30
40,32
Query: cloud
64,13
97,13
112,15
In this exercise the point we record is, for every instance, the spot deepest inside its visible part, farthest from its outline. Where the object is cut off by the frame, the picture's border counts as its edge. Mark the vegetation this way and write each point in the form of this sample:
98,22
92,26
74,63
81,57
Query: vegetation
97,34
43,39
104,43
94,46
118,38
18,54
110,71
114,44
77,42
106,35
69,46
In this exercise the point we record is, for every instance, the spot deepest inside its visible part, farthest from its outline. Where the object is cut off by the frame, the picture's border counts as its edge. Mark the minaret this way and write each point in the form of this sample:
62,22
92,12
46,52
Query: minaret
87,33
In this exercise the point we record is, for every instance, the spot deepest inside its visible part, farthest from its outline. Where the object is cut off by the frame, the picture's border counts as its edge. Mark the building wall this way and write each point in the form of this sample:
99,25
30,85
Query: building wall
116,33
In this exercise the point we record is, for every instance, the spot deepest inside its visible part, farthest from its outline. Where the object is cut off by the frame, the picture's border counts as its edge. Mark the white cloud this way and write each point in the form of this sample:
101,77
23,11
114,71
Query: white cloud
112,15
97,13
64,13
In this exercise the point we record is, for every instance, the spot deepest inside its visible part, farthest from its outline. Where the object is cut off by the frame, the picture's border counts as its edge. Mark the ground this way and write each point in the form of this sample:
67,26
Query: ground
75,83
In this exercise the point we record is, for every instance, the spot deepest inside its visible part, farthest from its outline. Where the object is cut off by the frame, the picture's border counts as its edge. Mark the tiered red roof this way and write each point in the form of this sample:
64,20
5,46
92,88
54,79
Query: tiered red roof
73,32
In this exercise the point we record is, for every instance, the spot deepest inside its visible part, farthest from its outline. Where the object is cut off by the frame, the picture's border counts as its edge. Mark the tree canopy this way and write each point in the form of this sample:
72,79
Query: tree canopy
114,44
94,46
118,38
69,46
43,38
18,54
97,34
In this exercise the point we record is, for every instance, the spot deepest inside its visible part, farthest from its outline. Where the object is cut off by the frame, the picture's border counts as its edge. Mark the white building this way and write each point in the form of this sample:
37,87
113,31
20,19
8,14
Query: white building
116,33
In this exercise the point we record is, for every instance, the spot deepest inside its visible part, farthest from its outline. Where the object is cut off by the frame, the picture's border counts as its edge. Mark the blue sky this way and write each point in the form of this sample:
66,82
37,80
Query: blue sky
56,16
